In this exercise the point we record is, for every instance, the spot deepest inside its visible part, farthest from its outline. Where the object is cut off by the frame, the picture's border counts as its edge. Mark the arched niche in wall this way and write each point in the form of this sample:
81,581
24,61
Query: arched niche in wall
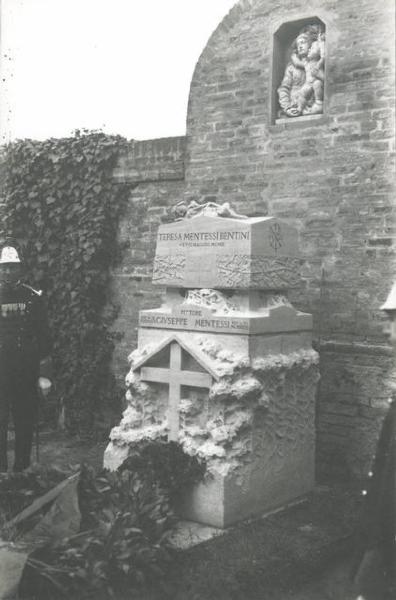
298,69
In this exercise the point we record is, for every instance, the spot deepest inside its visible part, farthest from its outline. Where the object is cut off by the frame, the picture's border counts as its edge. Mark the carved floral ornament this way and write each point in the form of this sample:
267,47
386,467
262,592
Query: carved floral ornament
302,88
211,299
182,210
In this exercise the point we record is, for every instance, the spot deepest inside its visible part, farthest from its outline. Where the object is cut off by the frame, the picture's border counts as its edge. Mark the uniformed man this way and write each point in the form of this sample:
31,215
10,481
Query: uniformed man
25,347
376,549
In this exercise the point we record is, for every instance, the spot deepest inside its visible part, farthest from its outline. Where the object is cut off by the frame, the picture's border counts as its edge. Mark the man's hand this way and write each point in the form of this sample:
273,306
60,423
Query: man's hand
293,111
44,385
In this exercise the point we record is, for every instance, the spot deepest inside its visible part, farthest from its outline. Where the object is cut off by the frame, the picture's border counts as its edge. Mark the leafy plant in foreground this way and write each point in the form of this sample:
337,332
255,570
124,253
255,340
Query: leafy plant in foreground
126,517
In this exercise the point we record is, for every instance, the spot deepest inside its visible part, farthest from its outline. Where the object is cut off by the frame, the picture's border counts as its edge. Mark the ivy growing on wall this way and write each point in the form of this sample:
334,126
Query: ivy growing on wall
62,206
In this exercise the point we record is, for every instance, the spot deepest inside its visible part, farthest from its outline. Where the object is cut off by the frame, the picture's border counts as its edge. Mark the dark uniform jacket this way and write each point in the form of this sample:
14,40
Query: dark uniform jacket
24,333
376,575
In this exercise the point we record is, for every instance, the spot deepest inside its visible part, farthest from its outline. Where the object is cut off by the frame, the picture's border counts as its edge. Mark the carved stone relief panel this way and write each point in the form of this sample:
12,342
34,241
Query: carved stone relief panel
258,272
302,74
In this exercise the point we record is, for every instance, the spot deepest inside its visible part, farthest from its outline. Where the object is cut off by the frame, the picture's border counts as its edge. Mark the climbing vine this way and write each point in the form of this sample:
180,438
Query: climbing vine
62,206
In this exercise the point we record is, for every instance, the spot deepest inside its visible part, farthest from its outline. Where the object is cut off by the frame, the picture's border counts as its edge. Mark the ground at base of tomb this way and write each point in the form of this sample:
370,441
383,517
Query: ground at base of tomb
303,553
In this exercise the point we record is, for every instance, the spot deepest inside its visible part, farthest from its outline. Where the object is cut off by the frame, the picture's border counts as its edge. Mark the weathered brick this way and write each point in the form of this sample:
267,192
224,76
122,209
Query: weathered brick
338,408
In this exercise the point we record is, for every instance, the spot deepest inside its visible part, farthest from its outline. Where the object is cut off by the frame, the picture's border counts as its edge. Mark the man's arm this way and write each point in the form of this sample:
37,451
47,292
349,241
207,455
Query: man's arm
284,90
42,334
285,87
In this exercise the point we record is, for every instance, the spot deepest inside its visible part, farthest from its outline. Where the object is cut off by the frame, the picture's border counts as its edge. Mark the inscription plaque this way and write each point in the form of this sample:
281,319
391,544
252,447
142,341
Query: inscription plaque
191,318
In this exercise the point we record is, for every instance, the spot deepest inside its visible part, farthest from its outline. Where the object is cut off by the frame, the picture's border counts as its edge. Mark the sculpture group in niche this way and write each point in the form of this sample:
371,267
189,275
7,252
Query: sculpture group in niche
302,87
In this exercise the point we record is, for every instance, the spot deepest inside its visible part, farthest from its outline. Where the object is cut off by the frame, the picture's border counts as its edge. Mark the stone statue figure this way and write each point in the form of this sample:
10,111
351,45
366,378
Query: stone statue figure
302,87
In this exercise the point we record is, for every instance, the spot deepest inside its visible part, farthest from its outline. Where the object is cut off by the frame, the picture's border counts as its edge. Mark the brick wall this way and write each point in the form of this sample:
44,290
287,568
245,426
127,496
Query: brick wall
154,169
332,176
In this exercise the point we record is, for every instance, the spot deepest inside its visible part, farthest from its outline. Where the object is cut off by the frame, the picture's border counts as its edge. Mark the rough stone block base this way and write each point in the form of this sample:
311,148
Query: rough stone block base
254,427
251,491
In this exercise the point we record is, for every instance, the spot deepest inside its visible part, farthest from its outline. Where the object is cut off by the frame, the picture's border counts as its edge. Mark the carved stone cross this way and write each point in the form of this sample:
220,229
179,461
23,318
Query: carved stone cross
175,377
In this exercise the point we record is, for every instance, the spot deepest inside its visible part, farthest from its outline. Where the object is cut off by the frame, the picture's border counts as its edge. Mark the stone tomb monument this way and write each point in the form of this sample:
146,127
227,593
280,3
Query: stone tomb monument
225,366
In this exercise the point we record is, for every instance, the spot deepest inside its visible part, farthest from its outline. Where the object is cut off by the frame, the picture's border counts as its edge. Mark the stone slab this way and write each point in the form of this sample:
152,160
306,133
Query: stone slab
244,345
218,252
190,318
187,534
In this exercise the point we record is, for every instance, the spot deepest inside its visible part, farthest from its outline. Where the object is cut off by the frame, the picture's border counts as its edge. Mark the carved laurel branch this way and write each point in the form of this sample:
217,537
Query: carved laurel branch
235,270
169,267
274,272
